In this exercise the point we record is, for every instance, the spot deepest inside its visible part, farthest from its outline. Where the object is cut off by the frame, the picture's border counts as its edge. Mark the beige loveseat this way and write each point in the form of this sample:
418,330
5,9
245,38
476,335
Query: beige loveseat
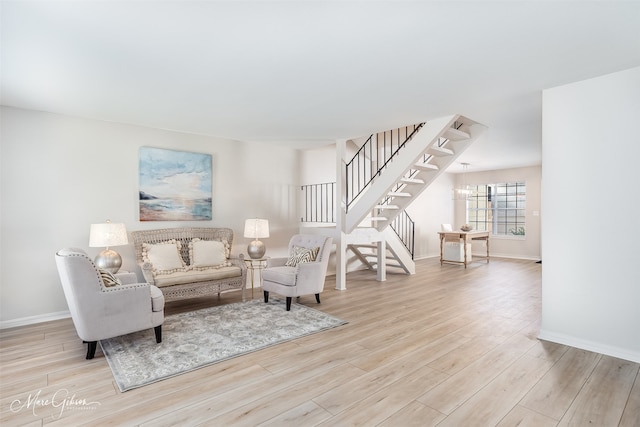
189,262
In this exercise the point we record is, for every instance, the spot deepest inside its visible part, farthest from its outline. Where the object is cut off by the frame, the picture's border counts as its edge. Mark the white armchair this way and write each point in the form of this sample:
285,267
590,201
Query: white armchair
99,311
301,273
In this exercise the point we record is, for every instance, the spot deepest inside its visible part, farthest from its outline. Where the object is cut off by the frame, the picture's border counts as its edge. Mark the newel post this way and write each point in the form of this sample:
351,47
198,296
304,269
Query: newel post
341,214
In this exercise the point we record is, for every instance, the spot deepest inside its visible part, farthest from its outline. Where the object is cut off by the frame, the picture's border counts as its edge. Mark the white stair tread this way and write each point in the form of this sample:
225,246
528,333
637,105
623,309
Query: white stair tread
412,181
387,207
440,151
393,194
363,245
456,135
426,166
374,264
373,260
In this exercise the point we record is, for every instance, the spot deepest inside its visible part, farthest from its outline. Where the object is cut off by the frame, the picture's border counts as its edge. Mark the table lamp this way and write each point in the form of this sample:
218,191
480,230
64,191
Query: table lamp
256,228
106,235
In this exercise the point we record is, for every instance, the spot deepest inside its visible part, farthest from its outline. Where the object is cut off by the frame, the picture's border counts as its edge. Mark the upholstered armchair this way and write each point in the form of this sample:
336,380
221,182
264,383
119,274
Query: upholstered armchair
302,273
101,305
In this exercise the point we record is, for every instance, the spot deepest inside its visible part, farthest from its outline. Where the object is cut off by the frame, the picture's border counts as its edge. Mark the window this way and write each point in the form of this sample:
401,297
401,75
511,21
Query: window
498,208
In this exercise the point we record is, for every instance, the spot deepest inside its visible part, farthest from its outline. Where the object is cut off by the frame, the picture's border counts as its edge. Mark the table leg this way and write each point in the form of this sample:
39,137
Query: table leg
260,273
441,248
464,242
252,282
487,249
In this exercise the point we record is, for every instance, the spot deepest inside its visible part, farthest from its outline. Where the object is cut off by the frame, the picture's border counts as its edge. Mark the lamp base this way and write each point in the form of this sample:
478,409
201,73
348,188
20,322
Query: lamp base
109,260
256,249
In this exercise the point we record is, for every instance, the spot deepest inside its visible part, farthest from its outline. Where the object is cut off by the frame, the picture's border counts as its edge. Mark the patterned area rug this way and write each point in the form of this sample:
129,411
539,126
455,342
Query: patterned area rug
199,338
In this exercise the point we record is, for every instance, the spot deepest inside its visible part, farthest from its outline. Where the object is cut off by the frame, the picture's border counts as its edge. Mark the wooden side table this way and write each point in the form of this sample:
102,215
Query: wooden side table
252,266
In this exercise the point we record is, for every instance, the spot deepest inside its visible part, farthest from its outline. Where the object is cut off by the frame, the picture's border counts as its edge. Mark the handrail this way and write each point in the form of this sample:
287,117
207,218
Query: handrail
319,202
405,229
373,157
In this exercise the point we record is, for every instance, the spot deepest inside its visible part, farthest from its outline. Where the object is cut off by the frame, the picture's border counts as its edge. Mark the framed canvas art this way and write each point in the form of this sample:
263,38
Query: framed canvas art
174,185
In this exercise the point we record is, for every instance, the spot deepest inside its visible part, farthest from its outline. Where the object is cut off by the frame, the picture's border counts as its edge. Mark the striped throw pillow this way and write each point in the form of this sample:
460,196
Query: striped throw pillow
300,254
108,279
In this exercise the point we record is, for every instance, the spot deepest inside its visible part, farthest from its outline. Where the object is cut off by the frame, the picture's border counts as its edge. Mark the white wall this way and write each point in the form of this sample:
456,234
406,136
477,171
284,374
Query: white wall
432,208
435,207
60,174
590,278
318,165
527,247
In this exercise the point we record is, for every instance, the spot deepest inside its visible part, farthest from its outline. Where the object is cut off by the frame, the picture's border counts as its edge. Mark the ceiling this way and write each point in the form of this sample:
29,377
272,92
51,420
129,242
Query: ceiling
306,73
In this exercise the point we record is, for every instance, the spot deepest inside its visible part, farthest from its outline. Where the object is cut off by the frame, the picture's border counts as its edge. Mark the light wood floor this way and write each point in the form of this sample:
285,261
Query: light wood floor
446,347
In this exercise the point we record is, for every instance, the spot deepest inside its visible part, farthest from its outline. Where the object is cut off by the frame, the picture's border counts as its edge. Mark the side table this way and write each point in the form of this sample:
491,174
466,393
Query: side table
252,266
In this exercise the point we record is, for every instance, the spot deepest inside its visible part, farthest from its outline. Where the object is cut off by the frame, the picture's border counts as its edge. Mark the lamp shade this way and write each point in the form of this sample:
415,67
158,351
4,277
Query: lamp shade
107,234
256,228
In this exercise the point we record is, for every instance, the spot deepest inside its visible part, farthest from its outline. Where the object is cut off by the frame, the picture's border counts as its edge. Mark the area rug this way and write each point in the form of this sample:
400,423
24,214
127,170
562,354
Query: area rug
199,338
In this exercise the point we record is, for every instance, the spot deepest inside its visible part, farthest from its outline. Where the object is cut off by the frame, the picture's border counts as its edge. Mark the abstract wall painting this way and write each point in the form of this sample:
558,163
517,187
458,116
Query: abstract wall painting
174,185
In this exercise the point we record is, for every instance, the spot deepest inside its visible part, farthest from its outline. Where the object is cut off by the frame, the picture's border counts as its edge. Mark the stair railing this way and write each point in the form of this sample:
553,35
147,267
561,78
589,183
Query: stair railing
405,229
373,157
319,202
319,206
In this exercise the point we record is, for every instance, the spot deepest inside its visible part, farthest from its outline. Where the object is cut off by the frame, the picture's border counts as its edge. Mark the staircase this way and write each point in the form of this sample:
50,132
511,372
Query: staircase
396,255
385,175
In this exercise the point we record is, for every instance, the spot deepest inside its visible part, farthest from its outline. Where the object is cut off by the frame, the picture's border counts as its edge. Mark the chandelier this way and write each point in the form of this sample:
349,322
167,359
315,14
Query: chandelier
462,191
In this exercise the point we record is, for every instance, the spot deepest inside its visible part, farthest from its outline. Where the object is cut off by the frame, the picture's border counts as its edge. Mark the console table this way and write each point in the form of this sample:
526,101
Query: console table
466,237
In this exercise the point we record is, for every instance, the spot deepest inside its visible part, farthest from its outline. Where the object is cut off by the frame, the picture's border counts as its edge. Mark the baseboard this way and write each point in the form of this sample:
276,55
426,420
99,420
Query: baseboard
31,320
596,347
418,258
481,257
507,256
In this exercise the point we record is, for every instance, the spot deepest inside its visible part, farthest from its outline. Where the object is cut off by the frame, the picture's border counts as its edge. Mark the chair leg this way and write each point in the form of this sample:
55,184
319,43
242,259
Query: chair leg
288,303
318,298
158,331
266,296
91,349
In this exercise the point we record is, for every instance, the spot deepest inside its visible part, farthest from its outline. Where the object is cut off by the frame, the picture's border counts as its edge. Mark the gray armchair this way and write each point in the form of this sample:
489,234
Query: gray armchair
99,311
301,277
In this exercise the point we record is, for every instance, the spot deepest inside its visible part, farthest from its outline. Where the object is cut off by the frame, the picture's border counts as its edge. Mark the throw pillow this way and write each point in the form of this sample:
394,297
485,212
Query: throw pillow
207,253
164,257
108,279
300,254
